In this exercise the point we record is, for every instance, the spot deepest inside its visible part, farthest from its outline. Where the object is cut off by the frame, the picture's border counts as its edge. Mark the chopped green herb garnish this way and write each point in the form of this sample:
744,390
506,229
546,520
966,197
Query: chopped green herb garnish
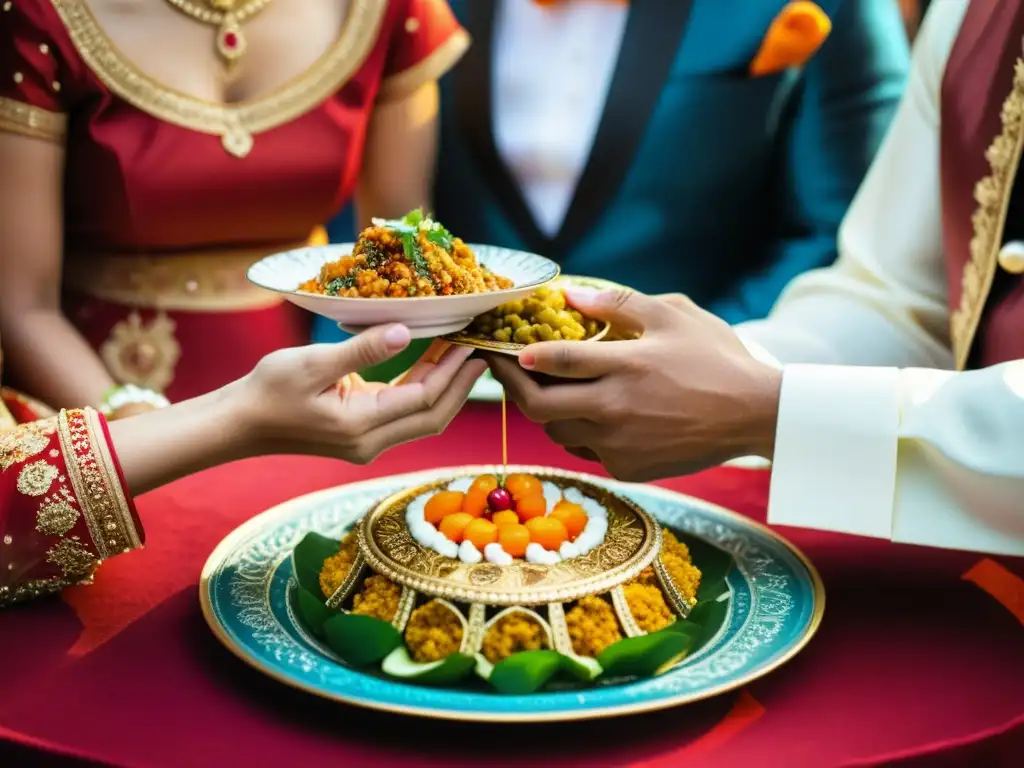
413,218
440,237
339,284
375,257
414,253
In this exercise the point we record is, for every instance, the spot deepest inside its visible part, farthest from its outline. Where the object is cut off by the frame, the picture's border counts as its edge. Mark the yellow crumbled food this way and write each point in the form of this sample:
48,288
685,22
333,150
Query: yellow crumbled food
378,598
592,626
513,633
336,567
541,316
676,557
433,632
648,607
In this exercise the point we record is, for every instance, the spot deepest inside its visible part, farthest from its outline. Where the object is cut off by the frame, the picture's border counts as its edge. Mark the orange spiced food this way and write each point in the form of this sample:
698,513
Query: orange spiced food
409,257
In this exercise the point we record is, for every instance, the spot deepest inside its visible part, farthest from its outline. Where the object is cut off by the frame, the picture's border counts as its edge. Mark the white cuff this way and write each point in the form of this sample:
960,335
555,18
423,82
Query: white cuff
834,467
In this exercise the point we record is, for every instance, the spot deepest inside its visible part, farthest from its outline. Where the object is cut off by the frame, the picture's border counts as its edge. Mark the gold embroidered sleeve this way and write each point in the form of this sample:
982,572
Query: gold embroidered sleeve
426,44
16,117
63,505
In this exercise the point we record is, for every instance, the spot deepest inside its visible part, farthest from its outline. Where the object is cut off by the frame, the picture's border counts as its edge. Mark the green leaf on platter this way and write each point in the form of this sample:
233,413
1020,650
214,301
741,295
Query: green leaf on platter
714,564
710,615
308,560
313,611
361,640
647,655
524,672
448,670
581,667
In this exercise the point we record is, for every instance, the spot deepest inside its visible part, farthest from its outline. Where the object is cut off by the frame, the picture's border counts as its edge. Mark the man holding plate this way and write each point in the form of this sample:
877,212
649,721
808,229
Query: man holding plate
888,389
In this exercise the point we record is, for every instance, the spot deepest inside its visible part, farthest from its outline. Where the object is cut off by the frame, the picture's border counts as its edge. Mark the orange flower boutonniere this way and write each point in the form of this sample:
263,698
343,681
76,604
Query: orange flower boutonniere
794,36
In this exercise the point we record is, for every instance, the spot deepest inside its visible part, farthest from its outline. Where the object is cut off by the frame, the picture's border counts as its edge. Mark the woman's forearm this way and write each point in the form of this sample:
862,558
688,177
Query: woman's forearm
161,446
48,358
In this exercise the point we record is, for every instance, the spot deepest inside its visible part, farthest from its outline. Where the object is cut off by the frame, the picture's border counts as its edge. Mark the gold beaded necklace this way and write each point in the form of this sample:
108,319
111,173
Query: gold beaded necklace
227,16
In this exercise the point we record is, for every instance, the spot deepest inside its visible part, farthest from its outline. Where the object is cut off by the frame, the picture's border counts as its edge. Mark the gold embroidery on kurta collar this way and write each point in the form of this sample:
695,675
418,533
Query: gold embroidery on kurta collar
236,124
992,194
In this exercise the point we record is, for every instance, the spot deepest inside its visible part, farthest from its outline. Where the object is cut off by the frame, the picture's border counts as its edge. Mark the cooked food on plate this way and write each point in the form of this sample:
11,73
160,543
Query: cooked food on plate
409,257
541,316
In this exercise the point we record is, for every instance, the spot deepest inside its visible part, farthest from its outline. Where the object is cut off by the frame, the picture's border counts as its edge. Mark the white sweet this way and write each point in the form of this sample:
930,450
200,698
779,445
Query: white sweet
493,553
568,550
468,553
593,508
461,484
417,507
535,553
552,495
575,495
447,547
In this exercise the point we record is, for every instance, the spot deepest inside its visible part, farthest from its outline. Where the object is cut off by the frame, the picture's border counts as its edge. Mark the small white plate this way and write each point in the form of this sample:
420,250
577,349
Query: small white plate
425,316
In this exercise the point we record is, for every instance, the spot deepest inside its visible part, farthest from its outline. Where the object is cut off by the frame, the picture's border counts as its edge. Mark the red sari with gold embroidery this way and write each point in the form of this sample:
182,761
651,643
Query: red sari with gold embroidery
64,504
168,199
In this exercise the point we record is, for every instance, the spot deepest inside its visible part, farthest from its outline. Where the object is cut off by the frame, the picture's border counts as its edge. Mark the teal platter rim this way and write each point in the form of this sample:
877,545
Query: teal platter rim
776,603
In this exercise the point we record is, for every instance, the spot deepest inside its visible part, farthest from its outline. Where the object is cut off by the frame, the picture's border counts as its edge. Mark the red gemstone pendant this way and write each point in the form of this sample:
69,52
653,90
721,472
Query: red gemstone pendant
230,40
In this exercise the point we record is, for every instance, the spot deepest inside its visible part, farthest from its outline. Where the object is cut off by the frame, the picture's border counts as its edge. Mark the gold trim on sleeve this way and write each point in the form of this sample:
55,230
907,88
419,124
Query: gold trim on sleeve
235,124
992,194
408,81
18,117
94,478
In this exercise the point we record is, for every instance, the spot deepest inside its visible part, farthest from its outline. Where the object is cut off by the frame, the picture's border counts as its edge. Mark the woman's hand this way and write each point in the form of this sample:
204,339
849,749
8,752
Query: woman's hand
310,399
307,400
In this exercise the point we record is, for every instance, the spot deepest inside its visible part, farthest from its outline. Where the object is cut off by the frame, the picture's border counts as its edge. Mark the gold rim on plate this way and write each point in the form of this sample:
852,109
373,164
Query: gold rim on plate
506,347
287,509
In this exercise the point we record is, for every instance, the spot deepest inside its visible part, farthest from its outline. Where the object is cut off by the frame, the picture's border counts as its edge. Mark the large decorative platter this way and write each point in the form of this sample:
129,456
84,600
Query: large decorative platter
776,601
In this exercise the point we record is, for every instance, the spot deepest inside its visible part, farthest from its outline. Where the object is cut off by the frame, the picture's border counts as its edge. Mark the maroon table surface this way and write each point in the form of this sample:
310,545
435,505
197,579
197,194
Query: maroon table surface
920,657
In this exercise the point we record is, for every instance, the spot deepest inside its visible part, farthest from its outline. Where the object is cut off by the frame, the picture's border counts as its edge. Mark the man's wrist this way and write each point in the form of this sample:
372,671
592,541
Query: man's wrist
764,412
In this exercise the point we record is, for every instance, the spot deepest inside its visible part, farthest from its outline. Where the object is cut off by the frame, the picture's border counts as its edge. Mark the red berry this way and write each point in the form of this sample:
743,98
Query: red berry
499,500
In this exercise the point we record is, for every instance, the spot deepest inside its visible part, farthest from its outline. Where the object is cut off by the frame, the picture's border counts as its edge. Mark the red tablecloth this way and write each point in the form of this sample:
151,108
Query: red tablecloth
920,656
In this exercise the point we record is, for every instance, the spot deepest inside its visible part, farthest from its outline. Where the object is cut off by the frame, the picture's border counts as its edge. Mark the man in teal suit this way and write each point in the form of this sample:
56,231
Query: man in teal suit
629,141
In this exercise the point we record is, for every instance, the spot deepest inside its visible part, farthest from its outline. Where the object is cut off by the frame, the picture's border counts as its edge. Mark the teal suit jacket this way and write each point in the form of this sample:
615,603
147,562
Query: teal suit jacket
702,179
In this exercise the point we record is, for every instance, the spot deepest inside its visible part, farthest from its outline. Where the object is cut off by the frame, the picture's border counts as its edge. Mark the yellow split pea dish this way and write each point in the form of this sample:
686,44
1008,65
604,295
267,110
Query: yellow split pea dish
534,580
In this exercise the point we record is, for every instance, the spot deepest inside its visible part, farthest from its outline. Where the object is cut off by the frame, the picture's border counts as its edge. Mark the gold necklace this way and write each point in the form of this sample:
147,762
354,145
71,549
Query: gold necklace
227,16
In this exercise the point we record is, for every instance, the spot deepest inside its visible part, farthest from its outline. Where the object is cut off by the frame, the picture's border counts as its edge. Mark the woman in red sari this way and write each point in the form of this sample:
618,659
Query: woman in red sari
66,482
153,149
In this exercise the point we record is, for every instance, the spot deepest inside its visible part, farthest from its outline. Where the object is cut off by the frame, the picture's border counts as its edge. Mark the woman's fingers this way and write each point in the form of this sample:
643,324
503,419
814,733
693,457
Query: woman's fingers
429,421
369,410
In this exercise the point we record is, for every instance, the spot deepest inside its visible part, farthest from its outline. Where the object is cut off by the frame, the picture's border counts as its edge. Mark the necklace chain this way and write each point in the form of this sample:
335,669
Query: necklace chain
227,16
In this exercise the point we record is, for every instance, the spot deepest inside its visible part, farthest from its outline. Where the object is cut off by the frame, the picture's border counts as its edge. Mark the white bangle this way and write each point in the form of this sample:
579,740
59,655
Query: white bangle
129,394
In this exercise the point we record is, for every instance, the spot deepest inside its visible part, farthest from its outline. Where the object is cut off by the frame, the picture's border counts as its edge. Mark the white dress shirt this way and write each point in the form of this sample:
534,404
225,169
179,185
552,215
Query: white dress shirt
553,67
907,449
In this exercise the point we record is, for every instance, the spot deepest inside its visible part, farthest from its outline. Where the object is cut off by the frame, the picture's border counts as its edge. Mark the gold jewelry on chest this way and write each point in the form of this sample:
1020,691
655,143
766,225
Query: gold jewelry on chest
228,16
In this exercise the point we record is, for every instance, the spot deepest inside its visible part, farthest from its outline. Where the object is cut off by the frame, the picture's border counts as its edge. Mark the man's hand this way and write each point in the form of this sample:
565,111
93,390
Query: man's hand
683,396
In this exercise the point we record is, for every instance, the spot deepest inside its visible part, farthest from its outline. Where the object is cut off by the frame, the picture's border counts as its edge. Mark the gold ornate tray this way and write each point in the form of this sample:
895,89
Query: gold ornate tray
632,542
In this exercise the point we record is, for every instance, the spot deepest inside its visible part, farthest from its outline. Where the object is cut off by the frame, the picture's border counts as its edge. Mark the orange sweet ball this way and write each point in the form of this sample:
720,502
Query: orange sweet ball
508,517
530,507
454,526
572,516
480,533
547,531
475,502
442,504
514,539
521,486
485,483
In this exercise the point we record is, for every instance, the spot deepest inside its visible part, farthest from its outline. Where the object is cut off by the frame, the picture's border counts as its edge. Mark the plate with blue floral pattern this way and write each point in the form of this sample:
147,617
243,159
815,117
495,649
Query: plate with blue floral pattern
775,604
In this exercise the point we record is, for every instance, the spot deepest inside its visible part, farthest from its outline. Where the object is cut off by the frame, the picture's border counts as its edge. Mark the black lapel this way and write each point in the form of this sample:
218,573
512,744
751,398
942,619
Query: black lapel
474,112
651,42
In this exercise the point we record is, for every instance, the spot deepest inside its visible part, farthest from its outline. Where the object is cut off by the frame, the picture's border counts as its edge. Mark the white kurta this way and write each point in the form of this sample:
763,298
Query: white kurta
913,452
